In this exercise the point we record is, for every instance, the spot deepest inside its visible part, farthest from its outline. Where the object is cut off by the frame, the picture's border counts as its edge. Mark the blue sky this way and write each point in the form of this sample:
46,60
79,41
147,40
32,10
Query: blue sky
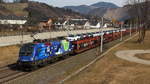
61,3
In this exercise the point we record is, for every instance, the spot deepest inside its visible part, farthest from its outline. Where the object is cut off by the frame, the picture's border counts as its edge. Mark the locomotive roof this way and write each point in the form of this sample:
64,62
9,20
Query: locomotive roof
28,45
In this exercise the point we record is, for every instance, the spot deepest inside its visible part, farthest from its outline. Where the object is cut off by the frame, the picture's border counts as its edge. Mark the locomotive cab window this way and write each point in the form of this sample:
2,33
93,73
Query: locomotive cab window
26,50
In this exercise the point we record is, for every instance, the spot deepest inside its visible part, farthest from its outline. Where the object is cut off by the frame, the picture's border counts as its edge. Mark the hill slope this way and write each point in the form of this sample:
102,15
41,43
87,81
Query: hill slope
39,11
83,9
36,11
98,11
4,11
15,8
119,14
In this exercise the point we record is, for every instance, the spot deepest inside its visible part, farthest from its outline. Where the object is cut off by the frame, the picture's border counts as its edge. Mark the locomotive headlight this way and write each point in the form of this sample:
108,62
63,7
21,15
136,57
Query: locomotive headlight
32,59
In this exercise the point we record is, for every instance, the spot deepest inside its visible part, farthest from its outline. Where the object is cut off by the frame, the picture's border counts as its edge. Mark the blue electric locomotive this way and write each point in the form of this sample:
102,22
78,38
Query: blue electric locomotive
41,53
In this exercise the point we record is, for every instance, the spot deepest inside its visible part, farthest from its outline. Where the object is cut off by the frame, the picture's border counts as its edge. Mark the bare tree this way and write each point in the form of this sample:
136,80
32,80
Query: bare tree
23,1
16,1
20,1
1,1
139,10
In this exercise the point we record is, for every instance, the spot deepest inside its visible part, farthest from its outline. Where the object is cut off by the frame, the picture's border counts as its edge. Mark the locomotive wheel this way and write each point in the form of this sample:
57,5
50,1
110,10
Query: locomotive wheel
34,66
19,67
49,60
54,59
65,56
41,63
62,57
44,62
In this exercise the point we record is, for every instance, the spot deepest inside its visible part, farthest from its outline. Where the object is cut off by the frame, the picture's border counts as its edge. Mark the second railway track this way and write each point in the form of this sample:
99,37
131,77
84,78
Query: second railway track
7,74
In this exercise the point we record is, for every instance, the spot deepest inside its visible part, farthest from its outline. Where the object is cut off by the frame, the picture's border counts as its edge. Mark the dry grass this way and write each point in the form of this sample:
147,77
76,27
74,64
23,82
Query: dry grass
13,33
17,8
112,70
143,56
8,54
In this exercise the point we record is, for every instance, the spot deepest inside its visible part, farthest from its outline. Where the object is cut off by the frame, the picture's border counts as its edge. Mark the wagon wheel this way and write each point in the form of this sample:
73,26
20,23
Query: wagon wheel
66,56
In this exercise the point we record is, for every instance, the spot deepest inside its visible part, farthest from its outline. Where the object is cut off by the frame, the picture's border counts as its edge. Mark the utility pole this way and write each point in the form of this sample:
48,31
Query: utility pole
68,26
121,31
49,30
21,28
130,29
102,35
137,26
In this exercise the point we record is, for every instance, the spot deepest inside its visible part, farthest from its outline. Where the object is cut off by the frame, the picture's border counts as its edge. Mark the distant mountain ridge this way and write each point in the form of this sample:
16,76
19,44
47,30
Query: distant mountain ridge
104,5
103,9
85,9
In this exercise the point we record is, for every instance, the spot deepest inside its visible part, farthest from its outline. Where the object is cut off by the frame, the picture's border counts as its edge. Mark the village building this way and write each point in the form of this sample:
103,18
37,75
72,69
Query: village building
60,24
94,24
78,23
107,23
45,24
13,20
71,24
87,25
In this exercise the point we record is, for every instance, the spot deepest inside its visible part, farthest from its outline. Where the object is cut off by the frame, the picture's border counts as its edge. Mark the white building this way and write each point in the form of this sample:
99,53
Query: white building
12,20
87,25
78,23
60,24
98,25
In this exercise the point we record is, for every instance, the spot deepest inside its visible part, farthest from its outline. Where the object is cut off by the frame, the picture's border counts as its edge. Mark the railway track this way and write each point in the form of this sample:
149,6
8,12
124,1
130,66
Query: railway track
3,68
9,73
